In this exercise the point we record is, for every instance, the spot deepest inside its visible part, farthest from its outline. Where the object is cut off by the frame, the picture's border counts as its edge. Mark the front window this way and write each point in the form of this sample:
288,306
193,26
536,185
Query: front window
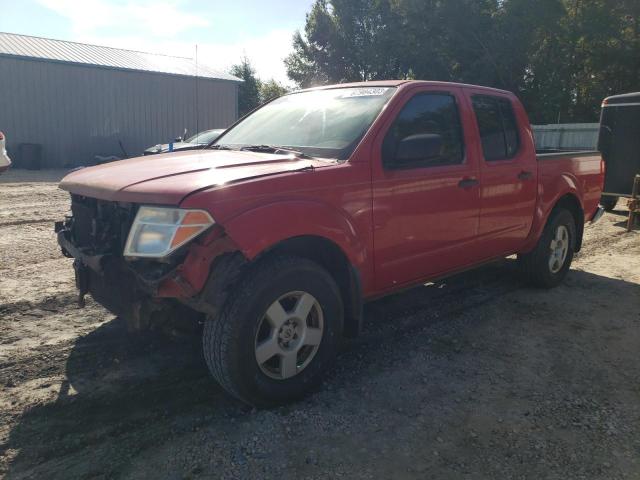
207,136
324,123
427,114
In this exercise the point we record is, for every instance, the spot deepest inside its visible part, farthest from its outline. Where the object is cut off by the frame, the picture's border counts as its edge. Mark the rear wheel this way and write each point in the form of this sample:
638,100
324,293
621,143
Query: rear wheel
608,202
548,263
277,336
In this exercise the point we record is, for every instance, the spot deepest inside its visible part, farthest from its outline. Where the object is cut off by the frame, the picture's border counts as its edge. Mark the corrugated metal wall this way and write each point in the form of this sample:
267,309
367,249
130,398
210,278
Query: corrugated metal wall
566,136
76,112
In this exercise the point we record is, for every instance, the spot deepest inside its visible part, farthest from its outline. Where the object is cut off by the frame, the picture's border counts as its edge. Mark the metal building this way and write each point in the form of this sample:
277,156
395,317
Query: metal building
78,100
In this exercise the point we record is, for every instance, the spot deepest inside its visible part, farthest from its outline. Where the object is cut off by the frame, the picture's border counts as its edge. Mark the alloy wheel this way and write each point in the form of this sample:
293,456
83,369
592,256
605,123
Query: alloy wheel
558,249
289,335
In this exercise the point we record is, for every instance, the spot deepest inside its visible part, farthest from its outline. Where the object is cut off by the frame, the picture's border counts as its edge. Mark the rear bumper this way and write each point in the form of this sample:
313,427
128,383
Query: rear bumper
598,215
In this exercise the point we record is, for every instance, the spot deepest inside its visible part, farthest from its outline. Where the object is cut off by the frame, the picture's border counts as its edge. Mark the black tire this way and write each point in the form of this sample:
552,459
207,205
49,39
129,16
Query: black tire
608,202
229,340
535,265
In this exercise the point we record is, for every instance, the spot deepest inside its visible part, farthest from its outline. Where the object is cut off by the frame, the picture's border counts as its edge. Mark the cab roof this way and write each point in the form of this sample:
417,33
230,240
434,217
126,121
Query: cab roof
404,83
625,98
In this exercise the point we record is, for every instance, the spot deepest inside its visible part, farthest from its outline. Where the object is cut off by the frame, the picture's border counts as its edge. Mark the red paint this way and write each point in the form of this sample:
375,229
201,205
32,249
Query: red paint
167,178
190,277
582,177
396,227
424,224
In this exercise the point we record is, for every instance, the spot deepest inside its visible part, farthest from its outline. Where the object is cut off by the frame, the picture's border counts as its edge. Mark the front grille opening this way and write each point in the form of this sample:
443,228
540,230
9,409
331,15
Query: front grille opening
99,226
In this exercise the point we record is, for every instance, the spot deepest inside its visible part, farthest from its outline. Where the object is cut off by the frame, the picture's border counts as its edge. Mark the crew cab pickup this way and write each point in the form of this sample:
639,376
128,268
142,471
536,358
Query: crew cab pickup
275,234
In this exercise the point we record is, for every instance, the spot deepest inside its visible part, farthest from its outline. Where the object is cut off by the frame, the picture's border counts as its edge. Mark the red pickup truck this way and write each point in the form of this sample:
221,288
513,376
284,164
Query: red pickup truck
316,202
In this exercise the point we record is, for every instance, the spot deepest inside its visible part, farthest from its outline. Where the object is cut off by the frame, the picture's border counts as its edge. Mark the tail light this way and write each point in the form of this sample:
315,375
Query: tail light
1,136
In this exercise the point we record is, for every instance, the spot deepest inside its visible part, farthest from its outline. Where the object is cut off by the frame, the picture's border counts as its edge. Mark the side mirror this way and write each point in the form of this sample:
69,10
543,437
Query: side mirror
177,140
419,147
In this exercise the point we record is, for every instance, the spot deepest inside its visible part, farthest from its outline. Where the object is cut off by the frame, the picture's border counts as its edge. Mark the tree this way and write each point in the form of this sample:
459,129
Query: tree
271,89
249,89
346,40
561,57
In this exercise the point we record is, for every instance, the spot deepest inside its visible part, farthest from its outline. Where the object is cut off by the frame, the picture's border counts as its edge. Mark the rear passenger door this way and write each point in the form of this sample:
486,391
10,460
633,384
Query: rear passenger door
508,172
425,211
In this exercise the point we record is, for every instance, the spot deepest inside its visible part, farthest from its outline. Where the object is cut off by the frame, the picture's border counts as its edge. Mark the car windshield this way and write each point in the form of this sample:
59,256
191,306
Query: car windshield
207,136
324,123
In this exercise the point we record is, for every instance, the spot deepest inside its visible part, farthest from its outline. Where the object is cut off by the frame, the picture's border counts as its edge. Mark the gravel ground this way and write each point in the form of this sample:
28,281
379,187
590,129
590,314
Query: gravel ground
474,377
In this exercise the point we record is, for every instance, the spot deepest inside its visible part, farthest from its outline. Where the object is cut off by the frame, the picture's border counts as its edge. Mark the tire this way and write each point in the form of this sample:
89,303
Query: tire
537,266
608,202
245,328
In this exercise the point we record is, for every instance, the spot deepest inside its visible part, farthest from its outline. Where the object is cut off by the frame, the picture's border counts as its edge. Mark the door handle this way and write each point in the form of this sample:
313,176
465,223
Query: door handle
525,175
468,182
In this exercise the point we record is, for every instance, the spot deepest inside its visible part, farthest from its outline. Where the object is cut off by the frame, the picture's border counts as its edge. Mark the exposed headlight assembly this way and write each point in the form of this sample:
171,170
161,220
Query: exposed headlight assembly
158,231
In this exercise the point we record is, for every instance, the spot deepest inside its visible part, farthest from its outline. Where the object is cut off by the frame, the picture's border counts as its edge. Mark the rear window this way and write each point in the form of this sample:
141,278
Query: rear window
498,127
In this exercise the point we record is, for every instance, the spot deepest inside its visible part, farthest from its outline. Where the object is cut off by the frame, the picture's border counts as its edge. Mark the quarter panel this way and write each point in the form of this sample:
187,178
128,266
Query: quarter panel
579,175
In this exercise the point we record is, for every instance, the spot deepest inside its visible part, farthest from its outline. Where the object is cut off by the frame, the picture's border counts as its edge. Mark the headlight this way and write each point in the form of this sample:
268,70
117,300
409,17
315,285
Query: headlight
158,231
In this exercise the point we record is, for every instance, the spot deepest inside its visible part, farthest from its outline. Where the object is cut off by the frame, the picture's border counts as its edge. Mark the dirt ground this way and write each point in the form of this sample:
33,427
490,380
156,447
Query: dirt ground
474,377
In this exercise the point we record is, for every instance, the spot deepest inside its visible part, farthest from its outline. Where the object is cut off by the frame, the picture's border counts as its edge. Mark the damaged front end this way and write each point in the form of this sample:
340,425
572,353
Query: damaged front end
144,291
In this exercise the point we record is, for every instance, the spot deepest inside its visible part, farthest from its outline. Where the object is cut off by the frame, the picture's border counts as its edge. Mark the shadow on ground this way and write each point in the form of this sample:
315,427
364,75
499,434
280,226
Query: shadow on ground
127,396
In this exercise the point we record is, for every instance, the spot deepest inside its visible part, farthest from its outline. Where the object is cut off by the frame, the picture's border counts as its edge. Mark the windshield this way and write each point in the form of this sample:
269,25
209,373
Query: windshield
207,136
324,123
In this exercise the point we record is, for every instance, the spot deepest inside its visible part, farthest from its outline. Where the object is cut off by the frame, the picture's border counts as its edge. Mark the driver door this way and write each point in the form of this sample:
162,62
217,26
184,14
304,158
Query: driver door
425,209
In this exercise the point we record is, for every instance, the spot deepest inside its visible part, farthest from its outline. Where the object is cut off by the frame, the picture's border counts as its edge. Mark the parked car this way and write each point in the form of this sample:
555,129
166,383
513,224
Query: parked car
315,203
5,161
197,141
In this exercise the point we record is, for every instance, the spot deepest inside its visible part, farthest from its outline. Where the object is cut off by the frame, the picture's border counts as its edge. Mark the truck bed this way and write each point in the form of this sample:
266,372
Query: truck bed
546,154
584,170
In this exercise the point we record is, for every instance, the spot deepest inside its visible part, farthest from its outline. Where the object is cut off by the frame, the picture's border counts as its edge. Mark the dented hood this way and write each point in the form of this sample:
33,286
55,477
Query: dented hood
168,178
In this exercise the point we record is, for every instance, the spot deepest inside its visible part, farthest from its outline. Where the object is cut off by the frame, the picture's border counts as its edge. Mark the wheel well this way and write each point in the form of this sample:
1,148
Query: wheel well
332,258
571,203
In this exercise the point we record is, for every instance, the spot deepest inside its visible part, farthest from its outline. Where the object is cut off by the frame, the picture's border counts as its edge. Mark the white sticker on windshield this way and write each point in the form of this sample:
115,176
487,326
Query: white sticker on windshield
363,92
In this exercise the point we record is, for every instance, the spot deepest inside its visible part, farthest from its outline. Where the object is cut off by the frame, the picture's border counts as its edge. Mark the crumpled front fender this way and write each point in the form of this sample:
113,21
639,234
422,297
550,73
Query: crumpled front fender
259,229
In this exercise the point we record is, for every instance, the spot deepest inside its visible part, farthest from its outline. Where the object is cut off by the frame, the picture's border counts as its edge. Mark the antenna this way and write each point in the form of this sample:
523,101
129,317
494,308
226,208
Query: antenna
197,102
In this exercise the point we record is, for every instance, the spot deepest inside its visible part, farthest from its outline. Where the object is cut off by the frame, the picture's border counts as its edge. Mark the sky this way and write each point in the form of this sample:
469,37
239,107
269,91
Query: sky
223,30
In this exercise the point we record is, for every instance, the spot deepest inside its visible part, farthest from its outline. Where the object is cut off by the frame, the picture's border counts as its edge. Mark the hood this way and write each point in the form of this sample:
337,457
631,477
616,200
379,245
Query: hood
167,178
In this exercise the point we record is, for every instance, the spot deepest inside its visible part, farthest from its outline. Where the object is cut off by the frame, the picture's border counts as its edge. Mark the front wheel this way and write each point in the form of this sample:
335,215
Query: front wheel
278,334
548,263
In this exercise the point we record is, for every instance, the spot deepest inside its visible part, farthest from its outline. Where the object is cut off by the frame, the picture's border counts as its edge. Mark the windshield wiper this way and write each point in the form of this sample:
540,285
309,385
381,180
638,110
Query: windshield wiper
217,147
274,149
